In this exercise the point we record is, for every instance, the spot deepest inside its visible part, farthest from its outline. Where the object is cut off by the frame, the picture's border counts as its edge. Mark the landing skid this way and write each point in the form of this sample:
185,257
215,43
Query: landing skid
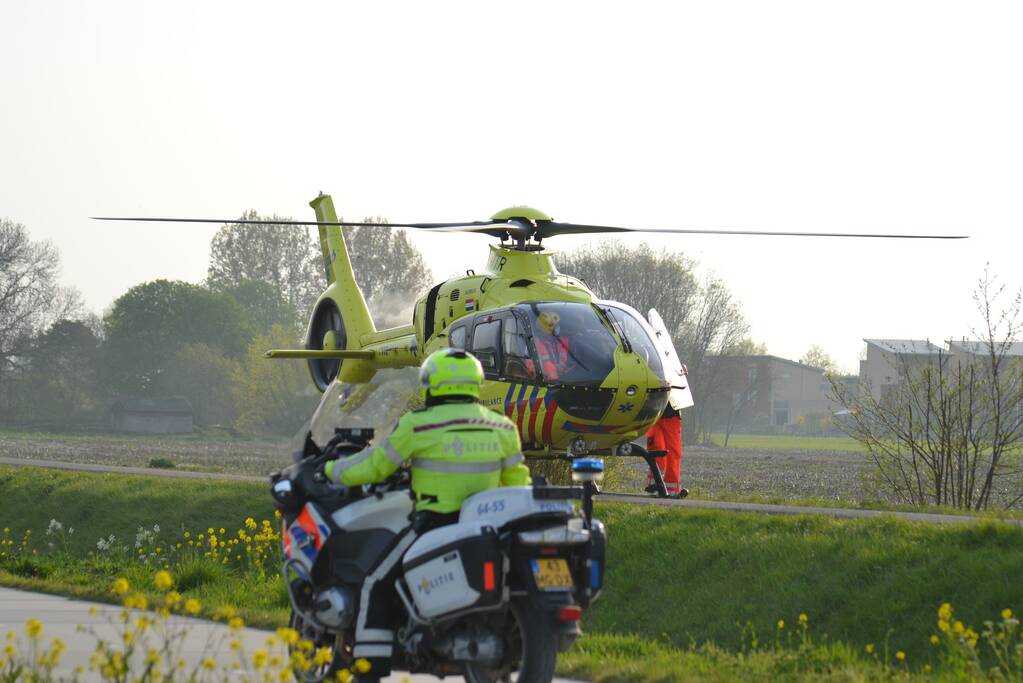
627,449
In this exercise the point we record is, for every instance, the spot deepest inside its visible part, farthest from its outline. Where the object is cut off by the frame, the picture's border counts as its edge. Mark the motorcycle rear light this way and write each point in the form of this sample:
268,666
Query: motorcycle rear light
488,576
570,533
570,613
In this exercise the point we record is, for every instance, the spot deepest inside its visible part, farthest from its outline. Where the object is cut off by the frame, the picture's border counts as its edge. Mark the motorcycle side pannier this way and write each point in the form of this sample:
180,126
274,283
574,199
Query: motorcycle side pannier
454,568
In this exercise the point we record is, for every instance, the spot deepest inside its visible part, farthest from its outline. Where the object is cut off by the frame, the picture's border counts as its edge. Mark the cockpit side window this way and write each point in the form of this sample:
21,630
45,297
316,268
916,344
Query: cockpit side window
518,363
486,340
456,337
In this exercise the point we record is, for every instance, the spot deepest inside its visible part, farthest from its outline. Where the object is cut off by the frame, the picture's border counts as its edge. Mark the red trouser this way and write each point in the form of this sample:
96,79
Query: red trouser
666,435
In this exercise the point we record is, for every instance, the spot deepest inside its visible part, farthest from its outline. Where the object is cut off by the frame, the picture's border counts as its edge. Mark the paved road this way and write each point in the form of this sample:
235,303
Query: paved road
842,513
61,618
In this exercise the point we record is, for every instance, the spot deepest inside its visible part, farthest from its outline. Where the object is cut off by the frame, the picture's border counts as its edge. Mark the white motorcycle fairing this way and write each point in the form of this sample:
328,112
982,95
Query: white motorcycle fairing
390,511
497,507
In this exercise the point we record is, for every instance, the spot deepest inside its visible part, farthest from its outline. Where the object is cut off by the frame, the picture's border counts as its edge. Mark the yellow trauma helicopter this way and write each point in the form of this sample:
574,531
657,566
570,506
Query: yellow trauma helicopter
575,373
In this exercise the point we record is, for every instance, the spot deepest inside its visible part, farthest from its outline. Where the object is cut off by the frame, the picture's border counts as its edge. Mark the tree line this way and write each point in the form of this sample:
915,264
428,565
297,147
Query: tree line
62,366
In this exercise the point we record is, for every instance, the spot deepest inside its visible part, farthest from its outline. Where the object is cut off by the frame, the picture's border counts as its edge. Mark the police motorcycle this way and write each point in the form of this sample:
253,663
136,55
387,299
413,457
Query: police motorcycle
494,595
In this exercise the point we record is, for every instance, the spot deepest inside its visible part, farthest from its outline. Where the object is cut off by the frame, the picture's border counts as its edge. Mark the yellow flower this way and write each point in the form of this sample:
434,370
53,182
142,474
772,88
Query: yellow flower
192,606
362,666
943,626
188,534
781,623
344,676
236,645
142,623
945,611
803,619
288,635
34,628
900,655
323,656
1006,614
958,627
209,664
136,601
9,650
210,530
153,657
305,645
173,599
259,658
869,649
222,530
163,580
129,637
934,640
121,586
236,622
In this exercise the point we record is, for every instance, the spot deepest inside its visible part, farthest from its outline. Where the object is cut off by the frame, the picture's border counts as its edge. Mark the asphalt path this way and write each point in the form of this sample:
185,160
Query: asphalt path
62,618
638,499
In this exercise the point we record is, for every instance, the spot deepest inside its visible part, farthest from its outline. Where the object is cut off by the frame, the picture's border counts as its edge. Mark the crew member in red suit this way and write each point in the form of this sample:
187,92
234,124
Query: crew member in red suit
552,349
666,435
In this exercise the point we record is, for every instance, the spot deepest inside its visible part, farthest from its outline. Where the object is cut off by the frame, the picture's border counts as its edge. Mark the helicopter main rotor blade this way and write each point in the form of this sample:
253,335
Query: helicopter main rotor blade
552,229
472,226
524,229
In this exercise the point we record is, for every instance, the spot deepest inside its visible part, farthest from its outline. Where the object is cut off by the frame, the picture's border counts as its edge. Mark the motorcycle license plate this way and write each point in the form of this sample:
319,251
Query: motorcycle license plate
551,575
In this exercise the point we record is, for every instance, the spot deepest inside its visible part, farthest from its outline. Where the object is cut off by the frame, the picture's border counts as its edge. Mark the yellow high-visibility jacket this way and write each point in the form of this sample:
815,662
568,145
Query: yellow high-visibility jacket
454,450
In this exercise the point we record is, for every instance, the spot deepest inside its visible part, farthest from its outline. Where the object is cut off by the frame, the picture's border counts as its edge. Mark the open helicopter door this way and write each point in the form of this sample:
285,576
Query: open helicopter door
674,371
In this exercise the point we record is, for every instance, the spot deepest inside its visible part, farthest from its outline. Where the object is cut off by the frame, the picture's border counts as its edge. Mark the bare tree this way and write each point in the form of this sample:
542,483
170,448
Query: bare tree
280,254
31,299
817,357
701,315
949,432
388,267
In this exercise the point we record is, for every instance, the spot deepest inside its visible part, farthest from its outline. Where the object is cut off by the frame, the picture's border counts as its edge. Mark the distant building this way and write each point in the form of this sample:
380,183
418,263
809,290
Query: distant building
889,359
981,348
755,392
152,415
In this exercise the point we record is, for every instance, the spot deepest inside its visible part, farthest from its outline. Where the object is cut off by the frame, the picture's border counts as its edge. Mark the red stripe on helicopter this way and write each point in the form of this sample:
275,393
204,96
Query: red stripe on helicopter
534,410
548,420
522,410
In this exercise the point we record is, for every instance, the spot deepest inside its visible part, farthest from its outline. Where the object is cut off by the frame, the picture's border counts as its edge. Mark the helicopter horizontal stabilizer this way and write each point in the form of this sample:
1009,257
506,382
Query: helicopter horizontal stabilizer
319,354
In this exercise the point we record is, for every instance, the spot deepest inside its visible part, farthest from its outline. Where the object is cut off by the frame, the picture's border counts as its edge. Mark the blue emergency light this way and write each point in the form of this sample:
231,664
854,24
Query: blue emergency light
587,469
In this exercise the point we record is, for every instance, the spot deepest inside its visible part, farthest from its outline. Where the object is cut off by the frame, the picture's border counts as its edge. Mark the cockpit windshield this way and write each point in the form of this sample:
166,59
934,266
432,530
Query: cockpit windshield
637,333
573,346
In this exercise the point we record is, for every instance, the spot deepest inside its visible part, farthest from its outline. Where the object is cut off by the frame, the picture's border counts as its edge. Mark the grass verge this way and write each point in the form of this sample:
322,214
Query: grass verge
687,590
787,442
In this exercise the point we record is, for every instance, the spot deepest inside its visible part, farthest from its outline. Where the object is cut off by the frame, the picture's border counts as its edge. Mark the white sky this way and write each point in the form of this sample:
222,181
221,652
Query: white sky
857,116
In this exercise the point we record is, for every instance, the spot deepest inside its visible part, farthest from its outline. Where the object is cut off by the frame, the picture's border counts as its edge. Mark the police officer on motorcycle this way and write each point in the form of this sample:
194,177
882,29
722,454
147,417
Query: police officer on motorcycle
454,447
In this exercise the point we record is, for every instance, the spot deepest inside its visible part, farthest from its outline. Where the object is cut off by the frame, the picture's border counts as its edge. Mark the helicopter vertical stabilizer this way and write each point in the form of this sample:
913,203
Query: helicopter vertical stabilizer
341,318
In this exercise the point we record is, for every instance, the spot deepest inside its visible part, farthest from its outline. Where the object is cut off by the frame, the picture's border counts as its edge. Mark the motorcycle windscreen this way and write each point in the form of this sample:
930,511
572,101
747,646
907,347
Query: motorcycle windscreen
376,404
681,396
